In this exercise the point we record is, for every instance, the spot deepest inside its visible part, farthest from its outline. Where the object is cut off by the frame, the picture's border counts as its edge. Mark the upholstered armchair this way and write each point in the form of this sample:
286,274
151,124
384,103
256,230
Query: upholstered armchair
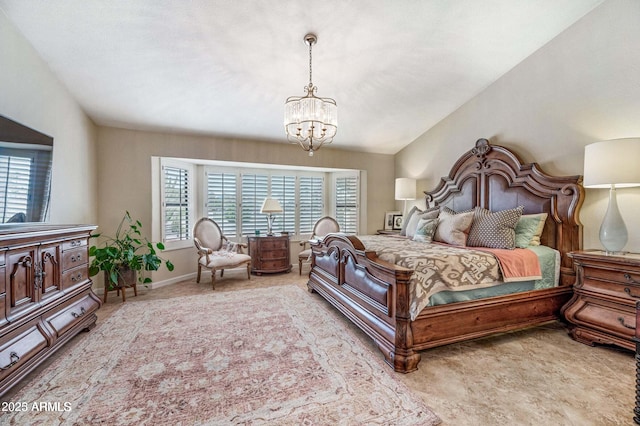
216,252
322,227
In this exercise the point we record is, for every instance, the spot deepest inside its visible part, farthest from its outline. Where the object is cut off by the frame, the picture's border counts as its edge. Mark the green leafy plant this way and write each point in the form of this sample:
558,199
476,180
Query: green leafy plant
128,249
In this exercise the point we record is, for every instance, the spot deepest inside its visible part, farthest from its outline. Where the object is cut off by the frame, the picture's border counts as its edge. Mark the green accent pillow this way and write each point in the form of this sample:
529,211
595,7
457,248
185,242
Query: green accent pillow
425,230
529,229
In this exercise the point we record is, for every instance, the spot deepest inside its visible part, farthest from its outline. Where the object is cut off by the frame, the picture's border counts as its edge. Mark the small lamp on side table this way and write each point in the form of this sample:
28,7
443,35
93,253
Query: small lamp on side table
269,207
612,164
405,190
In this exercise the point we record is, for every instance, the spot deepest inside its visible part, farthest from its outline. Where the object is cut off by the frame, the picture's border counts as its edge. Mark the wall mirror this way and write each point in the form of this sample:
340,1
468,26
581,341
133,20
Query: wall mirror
25,173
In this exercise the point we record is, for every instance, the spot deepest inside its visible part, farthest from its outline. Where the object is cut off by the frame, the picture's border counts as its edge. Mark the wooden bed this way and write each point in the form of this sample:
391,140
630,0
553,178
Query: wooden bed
374,294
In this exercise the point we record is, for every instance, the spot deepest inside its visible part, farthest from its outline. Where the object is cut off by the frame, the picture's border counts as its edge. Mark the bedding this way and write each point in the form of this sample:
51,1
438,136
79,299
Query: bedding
440,267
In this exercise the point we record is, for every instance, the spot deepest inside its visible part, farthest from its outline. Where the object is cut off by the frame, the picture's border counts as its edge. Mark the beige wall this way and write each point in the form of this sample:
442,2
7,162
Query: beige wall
31,95
124,175
582,87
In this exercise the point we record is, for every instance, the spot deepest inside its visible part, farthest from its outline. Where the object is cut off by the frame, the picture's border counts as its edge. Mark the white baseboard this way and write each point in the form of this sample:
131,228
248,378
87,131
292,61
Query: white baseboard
156,284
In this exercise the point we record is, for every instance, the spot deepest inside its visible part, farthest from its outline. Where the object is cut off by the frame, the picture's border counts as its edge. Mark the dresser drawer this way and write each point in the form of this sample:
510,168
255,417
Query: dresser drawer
20,347
73,277
72,314
74,244
627,293
74,258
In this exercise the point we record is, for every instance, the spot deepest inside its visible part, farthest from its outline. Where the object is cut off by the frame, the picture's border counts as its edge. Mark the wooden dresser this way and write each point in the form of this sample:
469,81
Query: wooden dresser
45,294
269,254
603,307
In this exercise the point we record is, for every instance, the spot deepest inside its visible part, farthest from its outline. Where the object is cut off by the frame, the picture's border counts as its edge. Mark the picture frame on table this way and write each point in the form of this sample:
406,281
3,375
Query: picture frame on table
397,222
389,221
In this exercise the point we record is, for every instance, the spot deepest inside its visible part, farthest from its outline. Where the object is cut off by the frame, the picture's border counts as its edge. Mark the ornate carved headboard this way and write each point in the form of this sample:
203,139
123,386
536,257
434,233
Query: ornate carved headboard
495,178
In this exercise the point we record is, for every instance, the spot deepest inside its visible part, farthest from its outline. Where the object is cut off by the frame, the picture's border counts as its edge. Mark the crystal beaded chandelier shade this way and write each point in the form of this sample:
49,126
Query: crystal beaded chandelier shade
310,121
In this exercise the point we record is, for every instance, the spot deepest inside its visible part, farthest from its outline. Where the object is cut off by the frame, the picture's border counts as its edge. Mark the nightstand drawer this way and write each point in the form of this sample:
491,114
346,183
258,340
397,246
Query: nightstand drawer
607,318
617,276
274,245
275,254
625,292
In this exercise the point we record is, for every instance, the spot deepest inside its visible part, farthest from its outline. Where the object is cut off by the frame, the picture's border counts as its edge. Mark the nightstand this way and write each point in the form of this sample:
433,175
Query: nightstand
269,254
388,232
603,307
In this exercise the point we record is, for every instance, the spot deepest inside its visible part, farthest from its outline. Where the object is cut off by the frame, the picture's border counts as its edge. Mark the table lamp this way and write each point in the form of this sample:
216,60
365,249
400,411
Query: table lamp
270,206
405,190
612,164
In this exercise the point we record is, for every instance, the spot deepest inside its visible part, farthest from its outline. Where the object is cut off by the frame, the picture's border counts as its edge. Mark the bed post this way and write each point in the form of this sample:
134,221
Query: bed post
403,359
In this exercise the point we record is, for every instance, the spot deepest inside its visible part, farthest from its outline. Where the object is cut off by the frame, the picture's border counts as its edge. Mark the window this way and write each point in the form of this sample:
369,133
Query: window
346,195
221,201
283,189
254,190
232,196
311,202
176,205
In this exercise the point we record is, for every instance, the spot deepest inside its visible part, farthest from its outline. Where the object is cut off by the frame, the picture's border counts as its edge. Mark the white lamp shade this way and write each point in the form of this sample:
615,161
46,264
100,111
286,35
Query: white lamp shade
405,189
612,162
271,205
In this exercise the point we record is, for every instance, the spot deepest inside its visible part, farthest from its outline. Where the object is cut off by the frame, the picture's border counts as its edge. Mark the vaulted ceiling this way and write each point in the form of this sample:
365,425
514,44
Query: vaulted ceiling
225,67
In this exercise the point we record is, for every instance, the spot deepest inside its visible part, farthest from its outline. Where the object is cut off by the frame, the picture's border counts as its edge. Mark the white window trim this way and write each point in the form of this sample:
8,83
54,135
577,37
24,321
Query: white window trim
180,244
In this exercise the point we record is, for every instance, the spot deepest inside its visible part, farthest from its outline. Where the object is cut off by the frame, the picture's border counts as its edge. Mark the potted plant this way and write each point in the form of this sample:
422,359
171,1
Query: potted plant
125,254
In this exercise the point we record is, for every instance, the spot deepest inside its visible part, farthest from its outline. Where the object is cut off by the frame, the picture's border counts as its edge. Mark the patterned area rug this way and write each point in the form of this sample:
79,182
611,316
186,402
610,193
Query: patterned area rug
262,356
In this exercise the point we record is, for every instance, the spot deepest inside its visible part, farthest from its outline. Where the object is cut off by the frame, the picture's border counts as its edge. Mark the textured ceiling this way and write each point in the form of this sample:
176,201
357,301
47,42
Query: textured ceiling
225,68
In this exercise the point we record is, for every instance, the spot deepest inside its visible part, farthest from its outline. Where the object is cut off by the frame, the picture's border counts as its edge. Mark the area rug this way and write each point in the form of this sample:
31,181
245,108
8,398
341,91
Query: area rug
275,355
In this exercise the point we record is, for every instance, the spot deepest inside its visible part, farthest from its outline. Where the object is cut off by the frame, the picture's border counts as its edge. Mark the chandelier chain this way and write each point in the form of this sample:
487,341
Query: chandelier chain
310,68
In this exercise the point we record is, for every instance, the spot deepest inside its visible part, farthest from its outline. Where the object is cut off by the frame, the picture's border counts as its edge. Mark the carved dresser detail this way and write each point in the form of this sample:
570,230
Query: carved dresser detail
45,294
603,307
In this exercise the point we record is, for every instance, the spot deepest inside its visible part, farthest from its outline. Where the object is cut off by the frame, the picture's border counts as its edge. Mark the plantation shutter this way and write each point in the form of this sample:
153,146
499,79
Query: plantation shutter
311,202
176,216
254,190
221,200
283,189
347,203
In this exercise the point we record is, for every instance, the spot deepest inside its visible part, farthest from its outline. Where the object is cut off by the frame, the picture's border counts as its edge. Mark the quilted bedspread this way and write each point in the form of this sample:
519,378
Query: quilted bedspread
437,266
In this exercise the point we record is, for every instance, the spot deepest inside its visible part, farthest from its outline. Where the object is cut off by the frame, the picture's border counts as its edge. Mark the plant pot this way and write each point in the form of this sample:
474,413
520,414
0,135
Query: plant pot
126,278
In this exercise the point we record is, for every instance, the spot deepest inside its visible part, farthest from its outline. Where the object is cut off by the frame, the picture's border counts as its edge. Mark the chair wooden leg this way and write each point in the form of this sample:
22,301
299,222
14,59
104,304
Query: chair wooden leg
221,273
124,297
213,279
135,289
248,271
300,266
106,293
199,271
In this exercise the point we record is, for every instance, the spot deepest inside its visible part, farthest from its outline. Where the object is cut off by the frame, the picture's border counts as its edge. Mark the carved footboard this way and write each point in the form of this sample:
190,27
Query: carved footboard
372,293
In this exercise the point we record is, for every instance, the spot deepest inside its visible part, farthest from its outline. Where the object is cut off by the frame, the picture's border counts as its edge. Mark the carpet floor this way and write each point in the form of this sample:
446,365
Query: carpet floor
538,376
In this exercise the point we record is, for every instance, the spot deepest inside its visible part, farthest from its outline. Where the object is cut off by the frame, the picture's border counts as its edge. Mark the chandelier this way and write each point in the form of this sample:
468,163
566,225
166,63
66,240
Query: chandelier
310,121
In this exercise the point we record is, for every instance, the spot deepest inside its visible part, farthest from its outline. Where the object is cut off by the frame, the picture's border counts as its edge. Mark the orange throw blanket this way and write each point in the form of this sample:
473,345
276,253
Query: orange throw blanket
516,265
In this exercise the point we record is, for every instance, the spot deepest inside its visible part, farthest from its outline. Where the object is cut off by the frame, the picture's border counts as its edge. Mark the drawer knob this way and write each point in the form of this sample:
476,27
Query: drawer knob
14,358
621,321
82,312
631,280
628,291
77,277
